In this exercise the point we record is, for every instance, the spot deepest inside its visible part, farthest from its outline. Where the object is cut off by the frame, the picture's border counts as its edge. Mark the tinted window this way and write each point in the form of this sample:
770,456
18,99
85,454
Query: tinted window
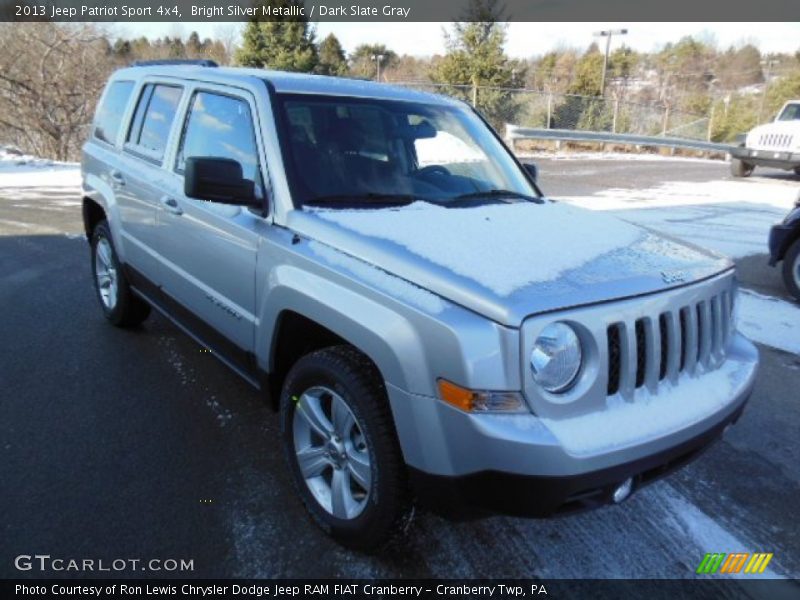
109,115
341,151
790,113
221,127
153,119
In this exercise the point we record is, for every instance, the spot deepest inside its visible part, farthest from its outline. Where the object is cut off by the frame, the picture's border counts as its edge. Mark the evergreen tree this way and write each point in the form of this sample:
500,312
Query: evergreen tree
284,43
332,59
476,61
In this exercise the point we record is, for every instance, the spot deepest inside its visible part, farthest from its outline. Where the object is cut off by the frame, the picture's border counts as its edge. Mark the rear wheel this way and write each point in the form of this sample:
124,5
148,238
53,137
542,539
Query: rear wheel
341,446
740,168
797,171
120,306
791,269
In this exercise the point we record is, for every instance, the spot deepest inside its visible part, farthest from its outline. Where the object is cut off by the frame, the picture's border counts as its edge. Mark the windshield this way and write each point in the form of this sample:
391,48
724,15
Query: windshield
342,151
790,113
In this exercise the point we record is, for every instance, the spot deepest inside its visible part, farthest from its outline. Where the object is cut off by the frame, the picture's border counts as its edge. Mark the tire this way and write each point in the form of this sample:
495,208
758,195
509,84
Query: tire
372,509
791,269
740,168
797,171
120,306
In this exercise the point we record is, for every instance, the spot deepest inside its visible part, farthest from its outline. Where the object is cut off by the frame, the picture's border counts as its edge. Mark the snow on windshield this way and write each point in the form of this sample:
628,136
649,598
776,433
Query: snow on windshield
503,247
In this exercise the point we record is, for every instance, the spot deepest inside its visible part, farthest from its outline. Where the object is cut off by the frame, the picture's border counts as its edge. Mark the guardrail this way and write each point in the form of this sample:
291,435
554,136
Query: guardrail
514,133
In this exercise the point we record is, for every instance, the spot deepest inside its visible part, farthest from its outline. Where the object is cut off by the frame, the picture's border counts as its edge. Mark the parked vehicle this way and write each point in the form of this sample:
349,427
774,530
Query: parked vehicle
431,328
775,144
784,245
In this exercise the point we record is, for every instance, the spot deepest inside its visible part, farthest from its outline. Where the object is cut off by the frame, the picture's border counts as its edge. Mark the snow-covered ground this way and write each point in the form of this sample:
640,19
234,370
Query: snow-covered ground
730,217
19,170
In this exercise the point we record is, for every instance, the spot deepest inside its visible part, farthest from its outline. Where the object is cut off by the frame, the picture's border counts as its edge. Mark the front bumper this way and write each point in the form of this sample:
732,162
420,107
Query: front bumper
778,159
464,463
495,492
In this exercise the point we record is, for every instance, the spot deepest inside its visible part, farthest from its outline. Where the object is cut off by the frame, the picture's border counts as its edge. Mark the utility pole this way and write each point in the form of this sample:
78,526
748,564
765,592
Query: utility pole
769,64
608,34
378,58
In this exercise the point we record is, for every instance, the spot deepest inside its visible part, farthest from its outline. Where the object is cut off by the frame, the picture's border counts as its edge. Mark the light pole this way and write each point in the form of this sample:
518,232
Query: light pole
378,58
608,34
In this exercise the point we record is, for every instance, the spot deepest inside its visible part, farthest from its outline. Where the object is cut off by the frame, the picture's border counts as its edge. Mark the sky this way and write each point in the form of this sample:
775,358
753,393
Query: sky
524,39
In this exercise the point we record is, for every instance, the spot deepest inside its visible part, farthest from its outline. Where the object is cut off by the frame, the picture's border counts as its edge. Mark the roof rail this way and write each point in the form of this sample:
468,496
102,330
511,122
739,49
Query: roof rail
200,62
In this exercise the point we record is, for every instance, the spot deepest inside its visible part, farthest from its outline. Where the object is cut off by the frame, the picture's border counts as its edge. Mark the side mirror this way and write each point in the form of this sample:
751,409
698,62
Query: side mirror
532,170
218,180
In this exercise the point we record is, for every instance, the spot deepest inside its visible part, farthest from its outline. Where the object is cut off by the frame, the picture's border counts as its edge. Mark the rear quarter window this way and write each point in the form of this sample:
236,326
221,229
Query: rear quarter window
111,110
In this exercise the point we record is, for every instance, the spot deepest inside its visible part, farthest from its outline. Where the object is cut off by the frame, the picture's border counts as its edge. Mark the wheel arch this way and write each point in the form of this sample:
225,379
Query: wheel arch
295,317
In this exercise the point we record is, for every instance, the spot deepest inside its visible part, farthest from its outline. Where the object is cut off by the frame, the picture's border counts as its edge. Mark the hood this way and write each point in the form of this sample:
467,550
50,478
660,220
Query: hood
509,261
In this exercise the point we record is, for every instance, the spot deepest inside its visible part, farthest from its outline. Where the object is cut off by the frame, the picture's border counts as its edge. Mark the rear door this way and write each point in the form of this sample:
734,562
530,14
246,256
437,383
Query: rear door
140,182
210,249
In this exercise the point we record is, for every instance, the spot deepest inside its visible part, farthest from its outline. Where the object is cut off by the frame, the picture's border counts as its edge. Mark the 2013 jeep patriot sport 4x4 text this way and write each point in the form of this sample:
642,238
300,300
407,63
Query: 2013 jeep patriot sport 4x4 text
429,325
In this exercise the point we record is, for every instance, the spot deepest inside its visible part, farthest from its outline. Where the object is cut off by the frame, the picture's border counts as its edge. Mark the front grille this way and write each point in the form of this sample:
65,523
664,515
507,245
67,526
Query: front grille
659,347
775,140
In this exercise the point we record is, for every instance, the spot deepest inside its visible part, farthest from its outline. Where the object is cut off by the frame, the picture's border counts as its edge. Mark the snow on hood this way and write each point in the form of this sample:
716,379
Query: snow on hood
503,247
509,261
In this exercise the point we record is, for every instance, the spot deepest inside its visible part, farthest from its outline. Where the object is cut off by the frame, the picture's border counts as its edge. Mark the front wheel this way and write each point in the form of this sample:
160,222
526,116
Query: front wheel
739,168
797,171
791,269
342,449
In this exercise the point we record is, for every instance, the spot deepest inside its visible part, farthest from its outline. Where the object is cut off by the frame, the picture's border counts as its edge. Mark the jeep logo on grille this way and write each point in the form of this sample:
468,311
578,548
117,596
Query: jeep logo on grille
673,276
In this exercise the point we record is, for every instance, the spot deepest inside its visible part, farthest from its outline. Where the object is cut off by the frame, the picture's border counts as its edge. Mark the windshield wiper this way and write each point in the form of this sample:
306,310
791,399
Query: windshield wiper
498,194
370,198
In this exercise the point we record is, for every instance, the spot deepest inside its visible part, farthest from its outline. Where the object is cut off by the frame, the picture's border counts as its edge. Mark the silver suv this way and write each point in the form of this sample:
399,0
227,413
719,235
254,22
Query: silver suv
429,325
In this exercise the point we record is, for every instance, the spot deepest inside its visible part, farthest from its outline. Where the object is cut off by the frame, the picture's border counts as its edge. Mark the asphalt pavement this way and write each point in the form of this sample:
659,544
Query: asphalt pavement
137,444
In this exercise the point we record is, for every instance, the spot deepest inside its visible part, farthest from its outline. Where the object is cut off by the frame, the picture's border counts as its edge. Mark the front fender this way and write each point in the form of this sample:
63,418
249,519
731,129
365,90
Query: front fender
387,337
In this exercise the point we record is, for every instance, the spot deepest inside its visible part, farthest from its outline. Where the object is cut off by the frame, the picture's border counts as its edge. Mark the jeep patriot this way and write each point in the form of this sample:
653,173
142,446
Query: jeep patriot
430,327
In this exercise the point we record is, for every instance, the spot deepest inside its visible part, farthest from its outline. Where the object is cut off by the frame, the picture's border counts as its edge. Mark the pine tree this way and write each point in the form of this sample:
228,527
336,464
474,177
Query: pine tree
477,61
282,43
332,60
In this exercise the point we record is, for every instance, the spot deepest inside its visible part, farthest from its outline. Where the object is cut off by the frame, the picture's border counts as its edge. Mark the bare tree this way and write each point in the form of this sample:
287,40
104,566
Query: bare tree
50,78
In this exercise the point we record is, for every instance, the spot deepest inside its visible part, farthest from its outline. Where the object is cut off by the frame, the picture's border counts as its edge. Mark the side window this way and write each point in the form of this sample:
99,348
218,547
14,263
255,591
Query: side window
109,114
221,127
153,119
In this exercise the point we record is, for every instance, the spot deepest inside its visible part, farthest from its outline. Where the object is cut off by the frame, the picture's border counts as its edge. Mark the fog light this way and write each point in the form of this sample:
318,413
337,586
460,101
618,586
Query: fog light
623,490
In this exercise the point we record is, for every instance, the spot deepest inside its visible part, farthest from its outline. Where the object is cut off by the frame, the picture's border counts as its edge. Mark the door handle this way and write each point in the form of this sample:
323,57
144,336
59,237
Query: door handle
117,177
171,205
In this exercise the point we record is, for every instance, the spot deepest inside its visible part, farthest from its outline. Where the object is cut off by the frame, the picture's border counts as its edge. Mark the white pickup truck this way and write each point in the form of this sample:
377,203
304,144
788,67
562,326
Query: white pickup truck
775,144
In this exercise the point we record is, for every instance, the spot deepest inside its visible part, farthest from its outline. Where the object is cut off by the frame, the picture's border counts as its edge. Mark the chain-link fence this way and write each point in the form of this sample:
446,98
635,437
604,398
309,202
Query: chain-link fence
531,108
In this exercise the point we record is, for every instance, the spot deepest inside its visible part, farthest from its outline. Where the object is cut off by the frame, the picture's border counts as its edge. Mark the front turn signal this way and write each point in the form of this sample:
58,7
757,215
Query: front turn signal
480,401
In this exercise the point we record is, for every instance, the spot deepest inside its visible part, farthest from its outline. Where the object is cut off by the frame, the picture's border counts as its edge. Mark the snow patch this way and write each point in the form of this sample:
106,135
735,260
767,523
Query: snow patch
770,321
705,531
729,217
21,170
394,286
672,409
475,242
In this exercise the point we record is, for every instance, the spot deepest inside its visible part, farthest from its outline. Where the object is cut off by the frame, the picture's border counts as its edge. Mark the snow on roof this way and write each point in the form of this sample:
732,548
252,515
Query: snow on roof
546,239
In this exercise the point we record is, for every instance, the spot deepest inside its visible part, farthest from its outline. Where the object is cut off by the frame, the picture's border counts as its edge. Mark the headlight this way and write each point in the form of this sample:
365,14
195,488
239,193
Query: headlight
556,357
